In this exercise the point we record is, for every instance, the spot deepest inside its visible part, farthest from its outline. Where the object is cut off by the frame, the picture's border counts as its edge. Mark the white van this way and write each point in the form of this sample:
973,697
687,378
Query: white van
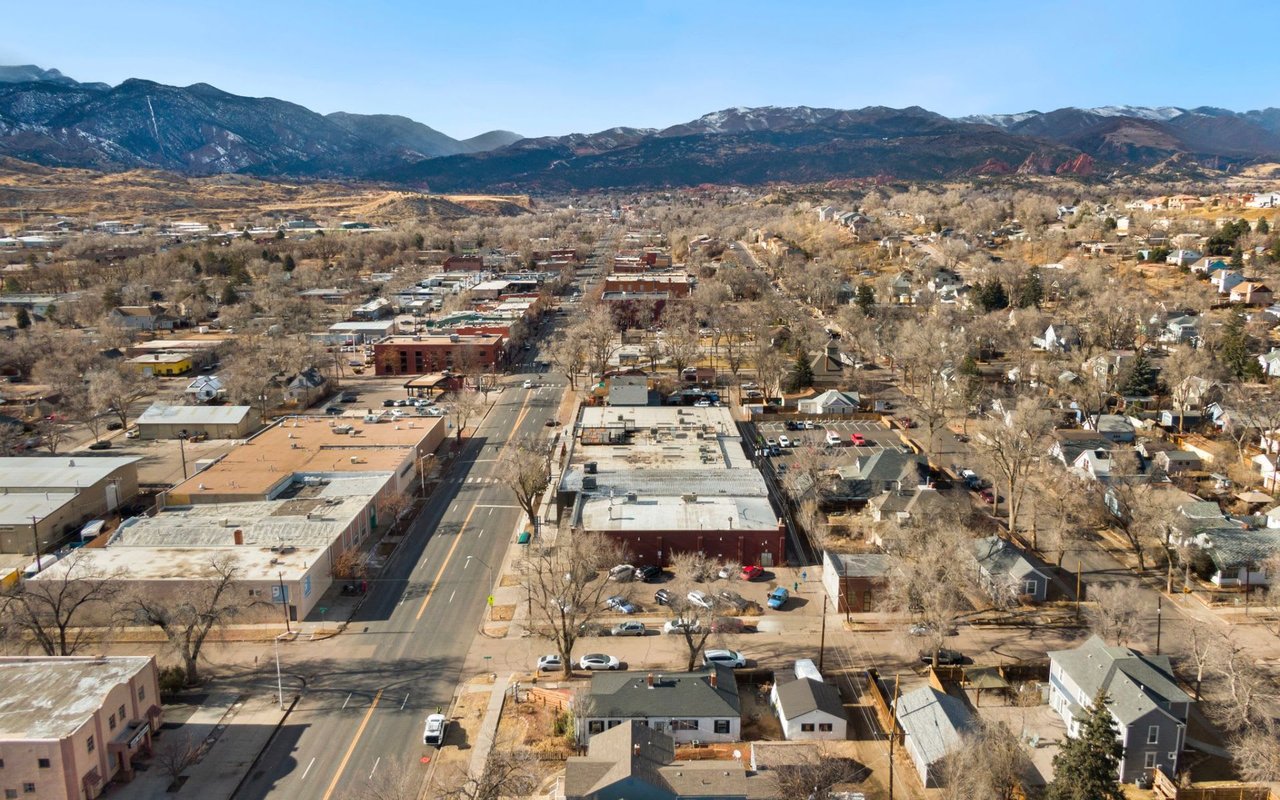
833,439
805,668
92,529
434,732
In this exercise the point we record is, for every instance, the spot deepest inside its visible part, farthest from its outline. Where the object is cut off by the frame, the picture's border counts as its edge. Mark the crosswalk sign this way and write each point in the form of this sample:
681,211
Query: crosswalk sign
490,600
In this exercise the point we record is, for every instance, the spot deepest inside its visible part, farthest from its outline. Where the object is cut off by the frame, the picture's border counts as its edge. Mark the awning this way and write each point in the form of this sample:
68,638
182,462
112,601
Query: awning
984,678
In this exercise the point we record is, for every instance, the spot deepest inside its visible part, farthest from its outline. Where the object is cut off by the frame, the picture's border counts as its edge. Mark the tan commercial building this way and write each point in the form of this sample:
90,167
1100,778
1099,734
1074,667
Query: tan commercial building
70,725
49,497
162,421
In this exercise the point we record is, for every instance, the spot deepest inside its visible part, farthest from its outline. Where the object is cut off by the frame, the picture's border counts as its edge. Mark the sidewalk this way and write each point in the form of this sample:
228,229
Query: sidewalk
225,759
488,732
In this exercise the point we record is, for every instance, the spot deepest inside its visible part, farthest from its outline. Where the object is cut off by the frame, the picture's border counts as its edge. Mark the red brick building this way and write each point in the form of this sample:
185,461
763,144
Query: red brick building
675,285
417,355
464,264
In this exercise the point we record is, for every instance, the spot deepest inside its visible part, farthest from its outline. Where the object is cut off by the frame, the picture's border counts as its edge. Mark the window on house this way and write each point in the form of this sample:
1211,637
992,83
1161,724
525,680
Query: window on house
1173,759
1149,760
613,723
42,763
89,744
1153,734
142,693
684,724
595,726
29,788
825,727
122,715
111,722
722,726
807,727
1029,587
9,794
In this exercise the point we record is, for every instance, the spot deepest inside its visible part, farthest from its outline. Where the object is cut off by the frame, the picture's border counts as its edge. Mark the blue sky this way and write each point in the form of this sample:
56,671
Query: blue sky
542,67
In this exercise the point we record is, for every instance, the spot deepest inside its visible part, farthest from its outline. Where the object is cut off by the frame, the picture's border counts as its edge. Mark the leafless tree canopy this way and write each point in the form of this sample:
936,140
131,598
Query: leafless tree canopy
817,774
934,569
1010,446
54,613
989,763
507,773
526,470
1118,611
566,584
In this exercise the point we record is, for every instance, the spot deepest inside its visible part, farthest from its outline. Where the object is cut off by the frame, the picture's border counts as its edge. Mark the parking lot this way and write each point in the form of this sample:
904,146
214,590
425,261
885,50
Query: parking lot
873,434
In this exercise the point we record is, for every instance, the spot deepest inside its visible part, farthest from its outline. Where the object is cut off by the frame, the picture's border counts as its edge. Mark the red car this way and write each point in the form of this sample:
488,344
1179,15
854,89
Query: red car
858,439
989,496
906,422
751,572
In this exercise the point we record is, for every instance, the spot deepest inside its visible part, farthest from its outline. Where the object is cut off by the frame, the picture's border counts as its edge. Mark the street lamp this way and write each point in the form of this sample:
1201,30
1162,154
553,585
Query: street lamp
279,679
422,471
486,564
182,448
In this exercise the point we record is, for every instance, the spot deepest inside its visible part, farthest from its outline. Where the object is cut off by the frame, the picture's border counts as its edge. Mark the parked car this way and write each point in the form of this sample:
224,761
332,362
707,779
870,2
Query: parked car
434,733
114,425
990,496
549,663
630,628
808,425
704,403
663,598
528,384
132,433
700,599
945,656
751,572
598,661
622,572
620,603
388,403
732,599
102,445
906,422
858,439
833,439
681,625
648,573
778,598
771,443
725,658
784,441
792,425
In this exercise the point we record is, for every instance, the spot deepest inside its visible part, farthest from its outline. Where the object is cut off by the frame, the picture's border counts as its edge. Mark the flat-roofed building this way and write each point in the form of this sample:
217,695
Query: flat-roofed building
161,364
263,466
48,497
665,480
162,421
414,355
70,724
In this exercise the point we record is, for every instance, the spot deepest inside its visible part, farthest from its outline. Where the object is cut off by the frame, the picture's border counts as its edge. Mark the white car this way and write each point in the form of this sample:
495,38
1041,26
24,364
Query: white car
833,439
434,733
435,411
680,626
784,441
702,404
549,663
700,599
528,384
725,658
598,661
622,572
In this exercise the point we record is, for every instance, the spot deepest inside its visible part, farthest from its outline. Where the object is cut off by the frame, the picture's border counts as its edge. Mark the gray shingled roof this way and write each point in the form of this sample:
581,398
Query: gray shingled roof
1135,684
633,751
932,721
679,694
998,557
804,695
861,565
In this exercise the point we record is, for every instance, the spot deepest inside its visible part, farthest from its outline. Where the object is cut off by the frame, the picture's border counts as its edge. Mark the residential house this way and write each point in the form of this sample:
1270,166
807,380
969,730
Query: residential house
1069,443
1179,329
144,318
204,389
856,582
1095,464
1270,362
1236,551
1176,462
1226,280
904,504
1112,427
1182,258
1008,572
1059,337
932,723
1147,706
829,366
900,290
876,473
305,387
634,762
1106,366
945,281
1211,264
691,706
830,403
1252,293
1265,200
809,709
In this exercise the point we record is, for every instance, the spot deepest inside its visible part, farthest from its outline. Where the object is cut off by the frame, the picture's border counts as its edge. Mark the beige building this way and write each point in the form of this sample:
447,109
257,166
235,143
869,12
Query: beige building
69,725
49,497
162,421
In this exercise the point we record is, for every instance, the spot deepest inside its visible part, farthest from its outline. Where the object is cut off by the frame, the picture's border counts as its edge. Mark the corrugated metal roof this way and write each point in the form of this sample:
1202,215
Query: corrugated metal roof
161,414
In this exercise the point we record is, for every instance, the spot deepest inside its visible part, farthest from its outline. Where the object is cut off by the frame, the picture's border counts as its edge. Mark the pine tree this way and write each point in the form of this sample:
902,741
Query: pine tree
1087,766
1032,290
1237,349
801,373
1237,258
229,295
865,298
22,318
991,296
289,264
1141,378
1263,227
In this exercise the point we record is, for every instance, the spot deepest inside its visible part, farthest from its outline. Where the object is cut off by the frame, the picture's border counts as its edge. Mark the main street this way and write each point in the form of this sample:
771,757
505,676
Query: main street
368,691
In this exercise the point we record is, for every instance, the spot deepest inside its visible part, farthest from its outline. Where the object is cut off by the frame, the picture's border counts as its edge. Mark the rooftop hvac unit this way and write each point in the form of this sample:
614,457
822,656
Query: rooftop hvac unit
588,483
631,497
689,498
589,468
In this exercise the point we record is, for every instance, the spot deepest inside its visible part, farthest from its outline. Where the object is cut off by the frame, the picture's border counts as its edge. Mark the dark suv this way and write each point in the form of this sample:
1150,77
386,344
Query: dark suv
648,573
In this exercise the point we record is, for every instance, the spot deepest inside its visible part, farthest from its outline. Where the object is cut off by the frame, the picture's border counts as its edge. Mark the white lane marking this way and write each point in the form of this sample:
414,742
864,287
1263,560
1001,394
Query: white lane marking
348,700
406,701
308,769
490,514
455,508
481,533
451,594
375,767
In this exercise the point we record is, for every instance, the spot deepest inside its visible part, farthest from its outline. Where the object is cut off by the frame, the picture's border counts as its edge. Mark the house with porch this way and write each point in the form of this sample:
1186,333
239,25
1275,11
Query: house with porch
689,706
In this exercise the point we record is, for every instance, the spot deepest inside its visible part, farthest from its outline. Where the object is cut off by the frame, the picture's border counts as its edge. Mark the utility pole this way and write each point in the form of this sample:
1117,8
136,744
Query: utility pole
822,643
893,731
1078,571
182,448
1159,605
284,603
35,538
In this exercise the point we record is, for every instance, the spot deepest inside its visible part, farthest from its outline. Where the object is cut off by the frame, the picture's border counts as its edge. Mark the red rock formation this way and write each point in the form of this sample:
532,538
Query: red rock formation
992,166
1080,165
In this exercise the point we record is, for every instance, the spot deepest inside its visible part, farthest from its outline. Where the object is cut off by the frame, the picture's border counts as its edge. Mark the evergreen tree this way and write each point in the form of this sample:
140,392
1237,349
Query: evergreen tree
865,298
1237,258
229,295
289,264
1140,381
1087,766
1237,350
279,233
801,376
1032,290
418,241
1263,227
990,295
196,269
23,318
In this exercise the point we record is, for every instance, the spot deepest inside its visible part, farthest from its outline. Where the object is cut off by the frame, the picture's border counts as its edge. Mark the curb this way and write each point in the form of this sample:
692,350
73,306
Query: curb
270,739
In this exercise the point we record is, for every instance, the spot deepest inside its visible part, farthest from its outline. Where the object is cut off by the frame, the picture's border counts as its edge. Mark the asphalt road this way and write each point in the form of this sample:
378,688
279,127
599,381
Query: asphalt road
367,693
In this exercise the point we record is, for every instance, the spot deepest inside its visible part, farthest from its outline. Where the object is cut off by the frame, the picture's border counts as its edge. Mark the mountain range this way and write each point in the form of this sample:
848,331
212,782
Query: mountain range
50,119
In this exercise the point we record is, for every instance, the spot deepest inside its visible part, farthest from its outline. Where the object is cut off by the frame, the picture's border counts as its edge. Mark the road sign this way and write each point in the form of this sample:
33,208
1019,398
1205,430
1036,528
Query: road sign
490,600
804,575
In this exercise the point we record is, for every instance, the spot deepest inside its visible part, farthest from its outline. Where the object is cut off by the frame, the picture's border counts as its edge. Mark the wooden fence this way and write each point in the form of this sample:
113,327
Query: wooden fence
1166,788
880,701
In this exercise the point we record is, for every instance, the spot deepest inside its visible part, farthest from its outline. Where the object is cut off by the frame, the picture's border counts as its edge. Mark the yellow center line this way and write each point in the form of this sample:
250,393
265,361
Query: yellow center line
363,723
524,410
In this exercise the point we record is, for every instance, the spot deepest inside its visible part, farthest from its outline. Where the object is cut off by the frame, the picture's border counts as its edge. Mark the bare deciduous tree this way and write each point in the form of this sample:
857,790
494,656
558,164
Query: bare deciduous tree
175,753
53,611
569,354
933,570
1116,611
988,763
1256,753
816,774
695,622
565,585
507,773
526,470
1011,445
113,390
461,406
214,599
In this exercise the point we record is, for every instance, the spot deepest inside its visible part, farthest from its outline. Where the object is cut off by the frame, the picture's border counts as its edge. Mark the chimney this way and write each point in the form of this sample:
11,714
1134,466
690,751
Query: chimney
649,680
713,678
238,536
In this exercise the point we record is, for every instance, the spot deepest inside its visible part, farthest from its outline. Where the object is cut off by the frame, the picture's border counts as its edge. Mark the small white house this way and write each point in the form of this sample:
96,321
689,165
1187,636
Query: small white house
204,388
830,402
810,709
